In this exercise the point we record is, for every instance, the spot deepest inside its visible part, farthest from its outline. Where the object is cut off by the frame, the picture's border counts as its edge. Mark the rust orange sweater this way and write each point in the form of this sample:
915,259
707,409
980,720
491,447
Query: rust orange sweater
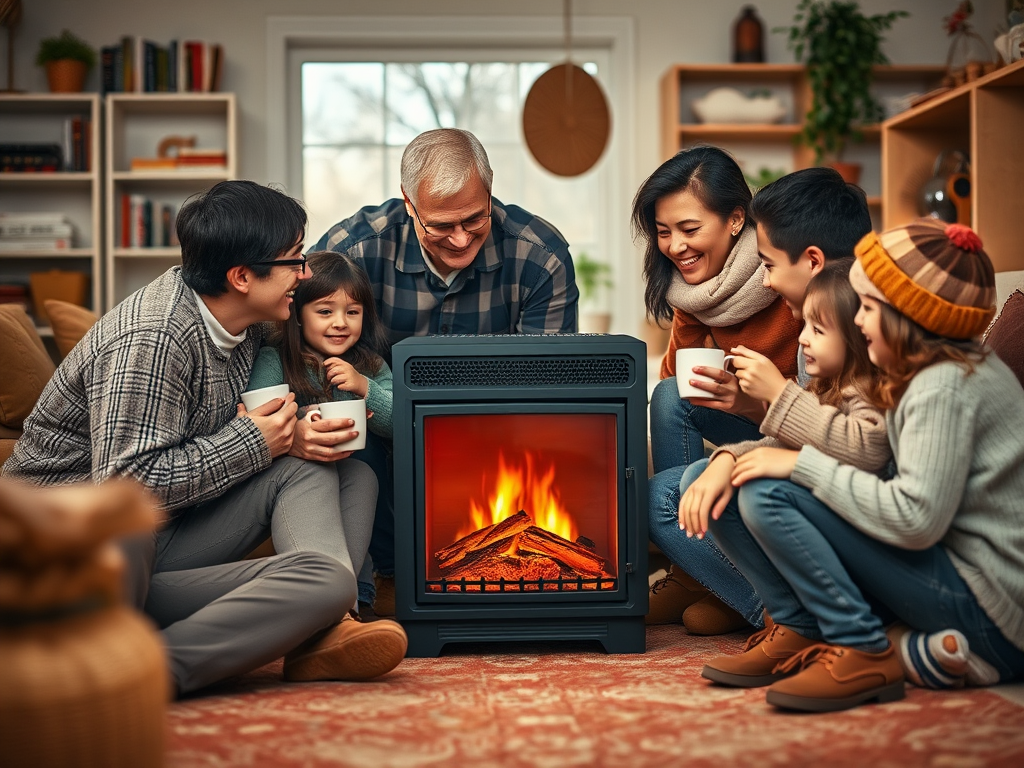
773,332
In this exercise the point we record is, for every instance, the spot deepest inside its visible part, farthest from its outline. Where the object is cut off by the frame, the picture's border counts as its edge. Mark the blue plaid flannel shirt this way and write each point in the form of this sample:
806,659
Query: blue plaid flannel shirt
522,280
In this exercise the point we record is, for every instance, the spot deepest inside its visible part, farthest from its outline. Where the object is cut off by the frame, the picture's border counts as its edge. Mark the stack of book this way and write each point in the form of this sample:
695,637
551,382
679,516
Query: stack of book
188,159
77,141
145,224
31,231
141,66
30,158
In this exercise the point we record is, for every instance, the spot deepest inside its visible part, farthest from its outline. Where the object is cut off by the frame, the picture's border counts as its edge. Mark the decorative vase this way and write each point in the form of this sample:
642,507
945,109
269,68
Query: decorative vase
84,679
595,322
66,75
849,171
748,37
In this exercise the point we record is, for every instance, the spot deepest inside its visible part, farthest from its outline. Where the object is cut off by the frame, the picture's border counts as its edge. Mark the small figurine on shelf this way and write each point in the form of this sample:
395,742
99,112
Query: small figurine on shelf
969,56
748,37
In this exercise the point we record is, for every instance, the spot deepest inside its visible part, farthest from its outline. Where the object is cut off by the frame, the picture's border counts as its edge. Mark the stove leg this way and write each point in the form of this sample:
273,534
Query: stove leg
626,635
424,642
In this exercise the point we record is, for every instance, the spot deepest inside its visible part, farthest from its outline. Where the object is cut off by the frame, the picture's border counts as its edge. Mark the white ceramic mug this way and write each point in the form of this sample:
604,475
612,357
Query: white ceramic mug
686,359
344,409
258,397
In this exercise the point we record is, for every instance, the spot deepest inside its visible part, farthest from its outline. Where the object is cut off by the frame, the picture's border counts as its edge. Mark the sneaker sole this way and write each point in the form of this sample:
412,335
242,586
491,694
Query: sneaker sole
739,681
882,695
365,656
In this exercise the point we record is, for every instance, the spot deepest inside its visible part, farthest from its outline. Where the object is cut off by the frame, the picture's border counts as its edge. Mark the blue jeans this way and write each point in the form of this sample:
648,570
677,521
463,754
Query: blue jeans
678,428
700,558
817,574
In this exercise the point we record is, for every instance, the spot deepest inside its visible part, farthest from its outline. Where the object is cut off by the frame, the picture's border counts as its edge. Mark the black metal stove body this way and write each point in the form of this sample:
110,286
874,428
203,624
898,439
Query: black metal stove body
558,423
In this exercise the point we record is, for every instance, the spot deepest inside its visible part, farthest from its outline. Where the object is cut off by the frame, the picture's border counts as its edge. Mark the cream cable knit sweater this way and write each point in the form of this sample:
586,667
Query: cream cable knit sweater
958,442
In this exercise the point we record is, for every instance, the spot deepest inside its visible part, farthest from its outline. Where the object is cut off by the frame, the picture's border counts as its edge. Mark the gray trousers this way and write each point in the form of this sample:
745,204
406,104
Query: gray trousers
220,616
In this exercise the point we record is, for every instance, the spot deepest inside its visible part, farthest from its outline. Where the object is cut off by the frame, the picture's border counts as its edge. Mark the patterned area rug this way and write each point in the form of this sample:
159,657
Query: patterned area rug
552,706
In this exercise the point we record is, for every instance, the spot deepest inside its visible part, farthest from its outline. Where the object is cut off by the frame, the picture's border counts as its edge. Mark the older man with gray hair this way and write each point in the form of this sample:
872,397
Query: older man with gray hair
449,258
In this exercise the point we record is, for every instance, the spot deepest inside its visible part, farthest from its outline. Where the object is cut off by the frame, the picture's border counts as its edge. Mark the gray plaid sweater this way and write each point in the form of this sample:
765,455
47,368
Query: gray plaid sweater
147,395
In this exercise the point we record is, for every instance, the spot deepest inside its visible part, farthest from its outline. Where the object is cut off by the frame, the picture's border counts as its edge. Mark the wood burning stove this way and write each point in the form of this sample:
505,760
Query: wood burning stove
521,489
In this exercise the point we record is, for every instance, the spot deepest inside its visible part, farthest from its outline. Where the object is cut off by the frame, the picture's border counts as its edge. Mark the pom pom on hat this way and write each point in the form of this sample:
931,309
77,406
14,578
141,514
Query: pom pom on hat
964,237
935,274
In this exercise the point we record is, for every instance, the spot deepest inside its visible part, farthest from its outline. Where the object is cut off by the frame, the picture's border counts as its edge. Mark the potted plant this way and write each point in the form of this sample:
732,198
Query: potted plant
68,59
591,276
839,45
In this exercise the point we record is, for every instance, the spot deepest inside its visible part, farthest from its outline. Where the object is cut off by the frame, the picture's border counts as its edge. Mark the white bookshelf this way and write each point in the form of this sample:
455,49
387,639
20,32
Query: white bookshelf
39,118
136,123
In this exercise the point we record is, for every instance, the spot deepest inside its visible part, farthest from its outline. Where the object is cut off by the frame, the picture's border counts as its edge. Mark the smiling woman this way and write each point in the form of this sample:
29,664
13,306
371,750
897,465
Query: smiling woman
702,270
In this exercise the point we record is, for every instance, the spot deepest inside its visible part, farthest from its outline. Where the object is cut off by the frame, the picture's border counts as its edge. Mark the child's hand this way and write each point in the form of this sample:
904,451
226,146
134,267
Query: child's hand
707,496
343,376
757,375
764,462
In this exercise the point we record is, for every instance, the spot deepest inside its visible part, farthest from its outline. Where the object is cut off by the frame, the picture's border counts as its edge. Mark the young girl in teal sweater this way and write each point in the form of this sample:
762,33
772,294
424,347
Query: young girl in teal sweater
834,552
331,348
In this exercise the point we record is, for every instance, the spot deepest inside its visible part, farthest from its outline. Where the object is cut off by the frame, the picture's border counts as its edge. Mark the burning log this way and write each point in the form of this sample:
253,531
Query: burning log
456,551
515,550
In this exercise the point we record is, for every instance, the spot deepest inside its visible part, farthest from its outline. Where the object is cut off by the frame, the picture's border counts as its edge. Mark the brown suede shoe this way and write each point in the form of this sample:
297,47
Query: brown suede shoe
710,616
834,677
671,595
762,654
350,651
384,602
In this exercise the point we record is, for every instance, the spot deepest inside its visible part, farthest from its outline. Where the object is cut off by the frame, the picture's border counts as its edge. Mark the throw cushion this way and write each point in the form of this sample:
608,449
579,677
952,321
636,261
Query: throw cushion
1006,336
70,323
21,350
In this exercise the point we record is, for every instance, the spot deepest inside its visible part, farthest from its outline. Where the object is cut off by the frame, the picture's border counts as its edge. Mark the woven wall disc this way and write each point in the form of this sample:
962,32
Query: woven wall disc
566,124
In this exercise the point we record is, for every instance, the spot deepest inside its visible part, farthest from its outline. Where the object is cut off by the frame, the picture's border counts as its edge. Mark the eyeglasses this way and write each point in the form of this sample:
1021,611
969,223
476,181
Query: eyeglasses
474,224
300,262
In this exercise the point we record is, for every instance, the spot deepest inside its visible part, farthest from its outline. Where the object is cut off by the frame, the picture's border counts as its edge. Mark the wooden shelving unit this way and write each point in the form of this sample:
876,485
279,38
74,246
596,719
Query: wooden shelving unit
981,118
136,123
39,118
773,145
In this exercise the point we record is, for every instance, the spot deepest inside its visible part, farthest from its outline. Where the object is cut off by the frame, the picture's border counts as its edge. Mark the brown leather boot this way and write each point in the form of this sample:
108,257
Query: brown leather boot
671,595
830,678
351,650
756,666
710,616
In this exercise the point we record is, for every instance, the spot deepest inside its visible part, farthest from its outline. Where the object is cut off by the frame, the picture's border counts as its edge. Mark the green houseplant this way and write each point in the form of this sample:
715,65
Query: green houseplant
839,45
68,59
591,276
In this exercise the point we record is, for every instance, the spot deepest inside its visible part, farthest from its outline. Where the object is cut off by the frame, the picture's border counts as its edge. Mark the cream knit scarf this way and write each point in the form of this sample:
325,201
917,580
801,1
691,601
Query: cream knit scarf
731,296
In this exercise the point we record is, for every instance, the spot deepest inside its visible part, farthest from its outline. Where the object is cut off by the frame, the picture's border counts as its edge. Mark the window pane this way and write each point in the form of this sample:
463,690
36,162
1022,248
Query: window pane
338,182
342,103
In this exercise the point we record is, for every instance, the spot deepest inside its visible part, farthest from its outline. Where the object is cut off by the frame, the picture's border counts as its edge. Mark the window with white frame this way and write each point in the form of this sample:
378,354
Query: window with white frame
358,116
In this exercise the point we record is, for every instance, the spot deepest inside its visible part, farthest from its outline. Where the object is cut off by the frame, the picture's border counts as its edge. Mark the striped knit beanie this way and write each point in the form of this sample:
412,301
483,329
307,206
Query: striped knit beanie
934,273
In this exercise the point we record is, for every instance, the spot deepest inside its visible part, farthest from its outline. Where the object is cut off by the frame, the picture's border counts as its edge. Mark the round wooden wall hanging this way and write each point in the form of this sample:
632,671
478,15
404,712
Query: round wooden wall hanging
566,120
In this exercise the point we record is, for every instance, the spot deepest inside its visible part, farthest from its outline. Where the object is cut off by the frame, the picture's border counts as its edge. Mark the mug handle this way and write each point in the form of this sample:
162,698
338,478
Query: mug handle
310,413
725,363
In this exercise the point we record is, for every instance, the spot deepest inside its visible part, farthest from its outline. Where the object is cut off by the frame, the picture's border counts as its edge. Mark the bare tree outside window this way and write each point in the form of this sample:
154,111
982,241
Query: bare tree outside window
357,118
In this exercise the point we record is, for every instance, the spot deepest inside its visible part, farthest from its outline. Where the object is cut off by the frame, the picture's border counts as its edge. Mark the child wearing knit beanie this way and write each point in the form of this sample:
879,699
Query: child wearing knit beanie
938,543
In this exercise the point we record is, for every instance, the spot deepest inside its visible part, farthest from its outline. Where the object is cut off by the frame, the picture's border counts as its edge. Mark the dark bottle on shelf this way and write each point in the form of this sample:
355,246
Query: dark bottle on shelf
748,37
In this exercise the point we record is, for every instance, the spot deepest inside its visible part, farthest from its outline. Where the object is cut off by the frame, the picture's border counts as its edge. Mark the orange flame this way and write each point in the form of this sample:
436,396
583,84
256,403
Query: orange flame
522,488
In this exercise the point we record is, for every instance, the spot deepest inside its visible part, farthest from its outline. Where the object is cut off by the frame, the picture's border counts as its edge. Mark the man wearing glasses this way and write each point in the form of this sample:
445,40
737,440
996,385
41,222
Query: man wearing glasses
449,258
152,393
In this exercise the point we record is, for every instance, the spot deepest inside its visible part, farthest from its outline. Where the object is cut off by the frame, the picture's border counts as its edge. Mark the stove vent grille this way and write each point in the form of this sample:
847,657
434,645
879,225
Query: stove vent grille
520,371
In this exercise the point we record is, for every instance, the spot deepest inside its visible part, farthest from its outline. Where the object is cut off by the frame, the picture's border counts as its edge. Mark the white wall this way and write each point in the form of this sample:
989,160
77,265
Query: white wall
667,32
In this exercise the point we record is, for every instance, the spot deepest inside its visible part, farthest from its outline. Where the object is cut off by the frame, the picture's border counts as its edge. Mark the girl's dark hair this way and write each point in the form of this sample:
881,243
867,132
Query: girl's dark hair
713,176
831,300
331,271
913,349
